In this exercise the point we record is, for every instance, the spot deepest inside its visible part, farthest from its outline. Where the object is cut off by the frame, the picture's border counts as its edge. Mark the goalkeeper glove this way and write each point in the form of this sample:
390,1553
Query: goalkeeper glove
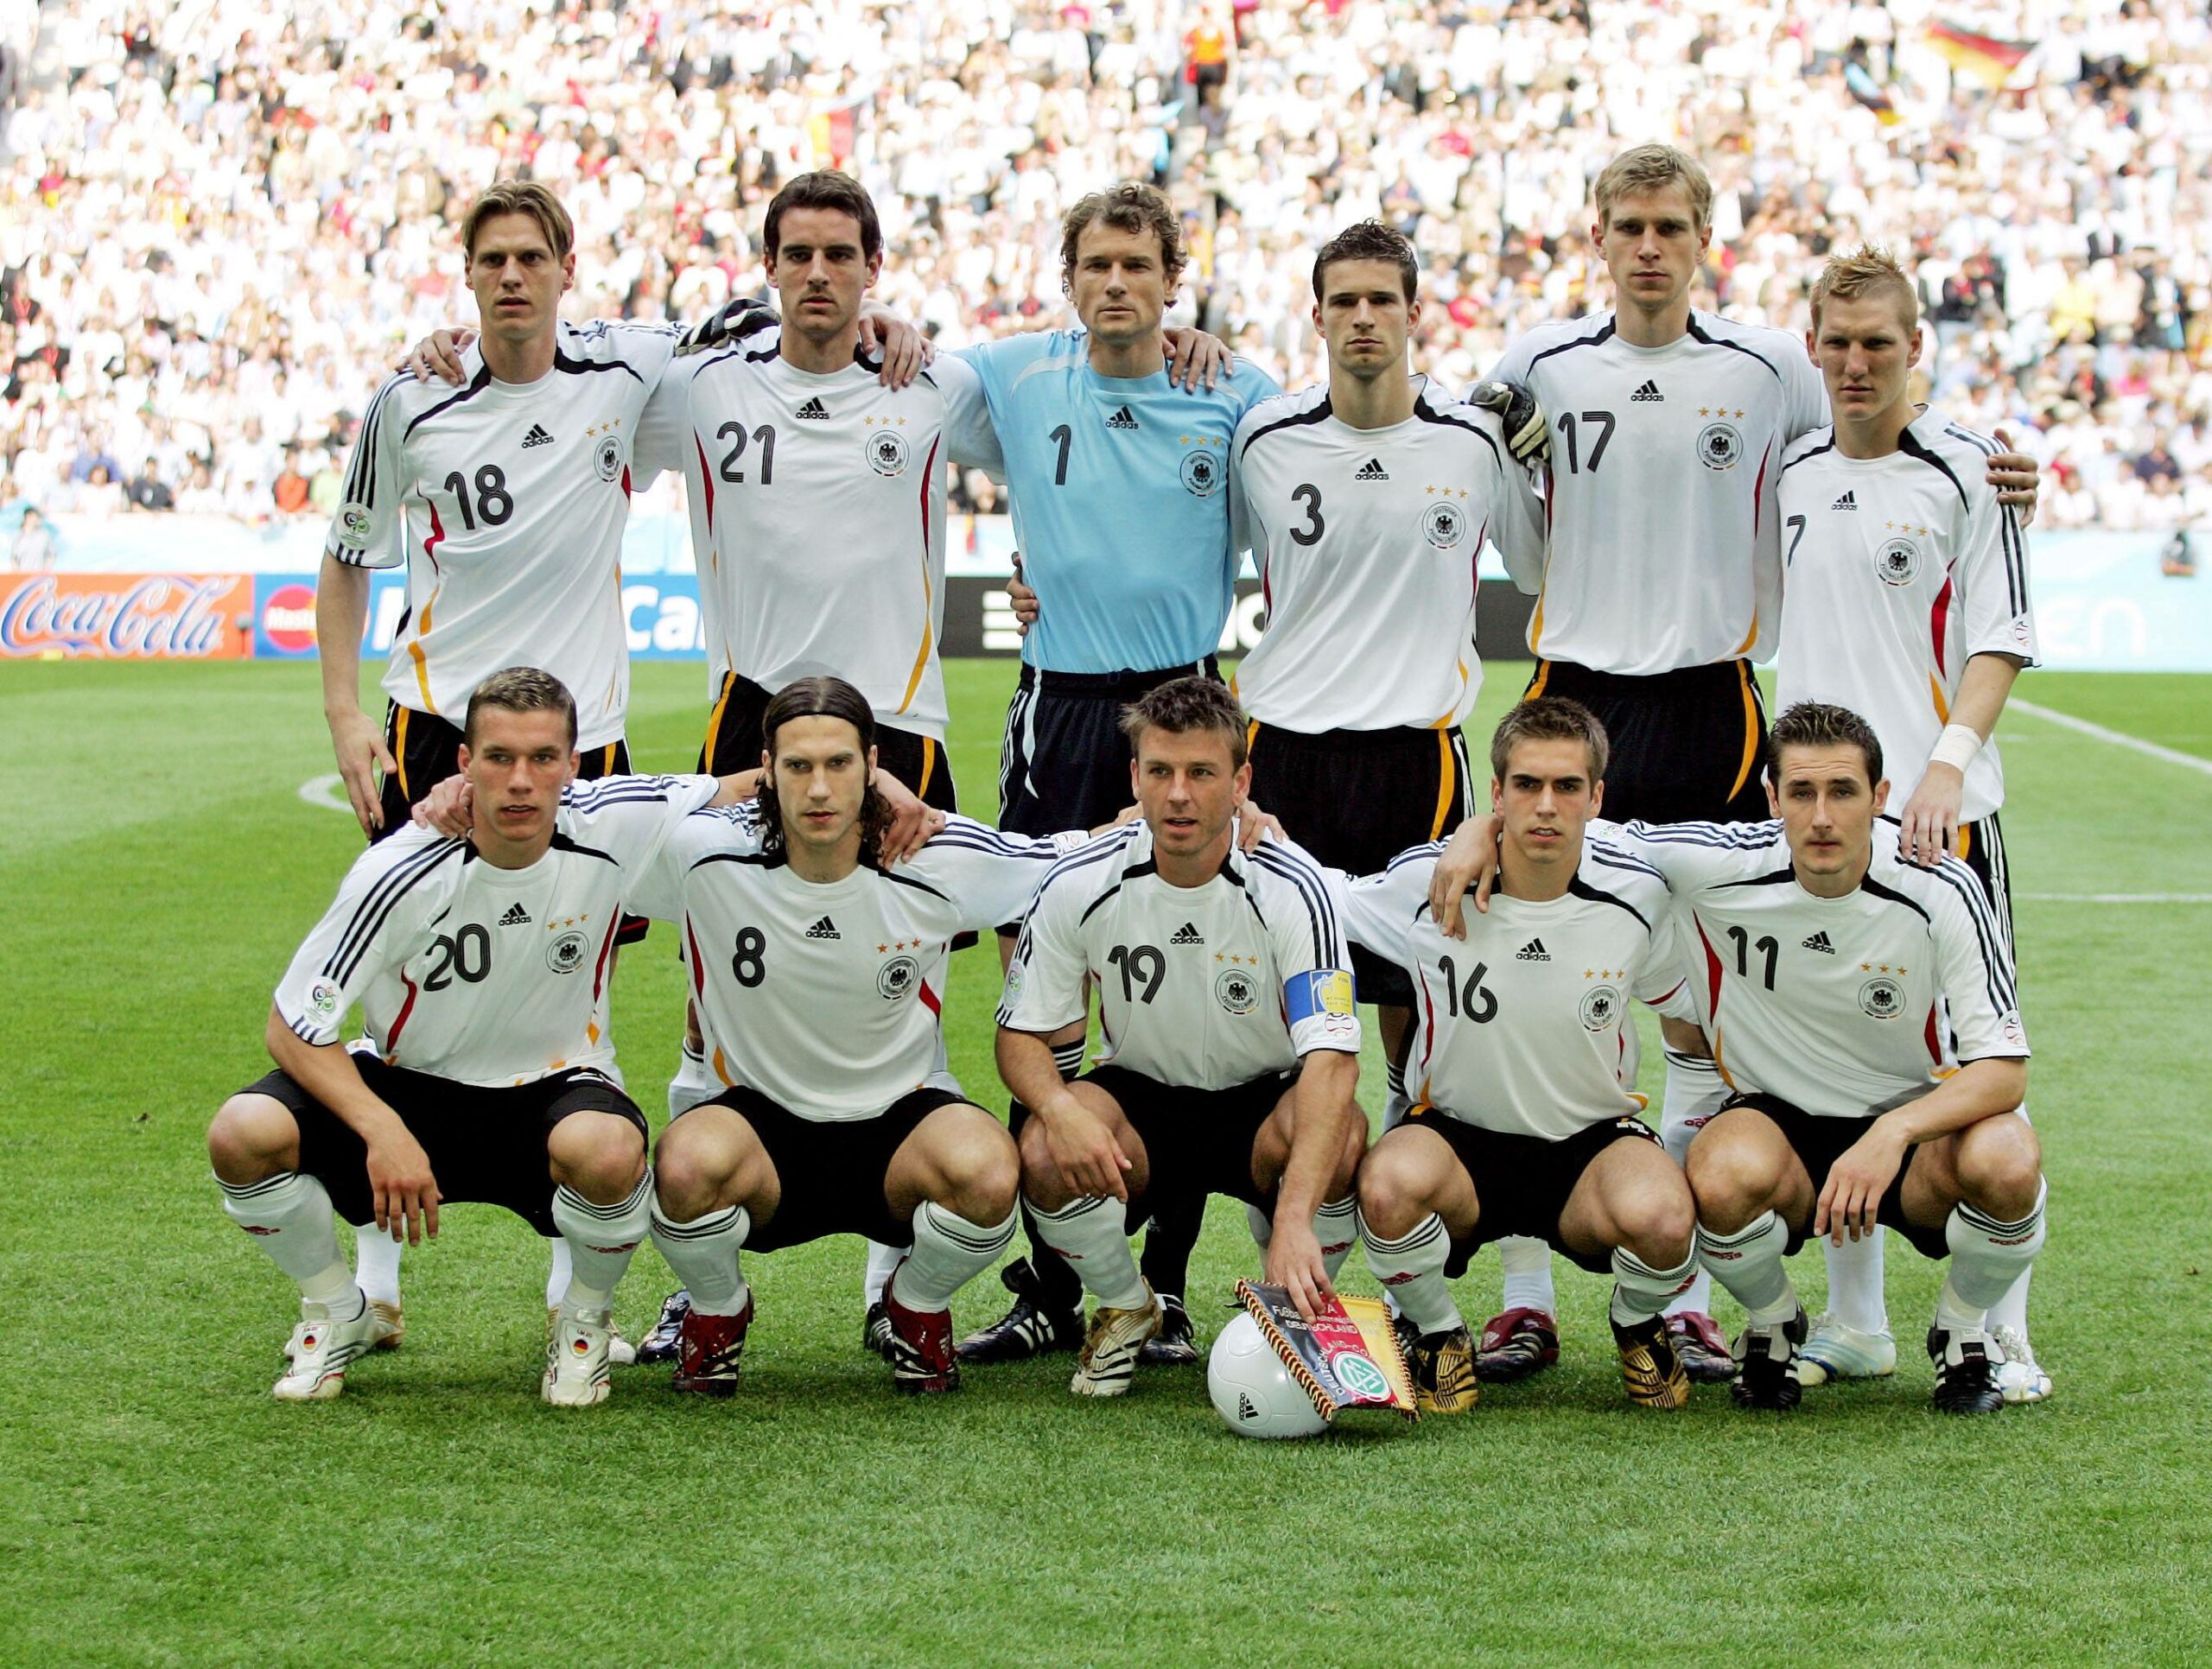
1528,435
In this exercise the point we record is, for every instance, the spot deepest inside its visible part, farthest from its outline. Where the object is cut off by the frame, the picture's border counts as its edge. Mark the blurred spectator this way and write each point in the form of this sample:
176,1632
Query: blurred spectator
146,489
33,550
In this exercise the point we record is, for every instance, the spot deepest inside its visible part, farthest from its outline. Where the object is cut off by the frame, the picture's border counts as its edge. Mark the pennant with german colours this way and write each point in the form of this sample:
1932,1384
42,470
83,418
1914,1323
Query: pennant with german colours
1346,1357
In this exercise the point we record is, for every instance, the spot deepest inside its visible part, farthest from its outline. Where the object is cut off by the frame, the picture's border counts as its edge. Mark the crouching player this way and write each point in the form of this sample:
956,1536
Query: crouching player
819,976
1521,1123
1231,1043
480,962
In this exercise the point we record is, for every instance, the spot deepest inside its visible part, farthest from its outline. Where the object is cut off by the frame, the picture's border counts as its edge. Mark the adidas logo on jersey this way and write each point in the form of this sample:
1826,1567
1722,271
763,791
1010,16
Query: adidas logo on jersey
1122,419
813,409
1649,392
825,928
516,917
538,436
1187,934
1533,951
1372,470
1849,501
1819,942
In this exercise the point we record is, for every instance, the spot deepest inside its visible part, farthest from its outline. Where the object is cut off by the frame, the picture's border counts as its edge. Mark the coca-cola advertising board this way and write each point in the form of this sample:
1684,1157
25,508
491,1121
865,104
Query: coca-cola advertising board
126,617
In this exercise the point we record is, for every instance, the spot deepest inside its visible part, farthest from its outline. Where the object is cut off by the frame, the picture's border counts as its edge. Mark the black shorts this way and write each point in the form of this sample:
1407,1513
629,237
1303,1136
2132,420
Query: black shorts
1356,799
428,751
1819,1142
1196,1142
1981,848
831,1172
1686,746
1523,1182
733,745
1063,763
486,1145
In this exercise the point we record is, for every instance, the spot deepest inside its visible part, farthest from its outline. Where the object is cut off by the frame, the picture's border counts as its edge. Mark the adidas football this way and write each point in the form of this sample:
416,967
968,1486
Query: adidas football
1253,1391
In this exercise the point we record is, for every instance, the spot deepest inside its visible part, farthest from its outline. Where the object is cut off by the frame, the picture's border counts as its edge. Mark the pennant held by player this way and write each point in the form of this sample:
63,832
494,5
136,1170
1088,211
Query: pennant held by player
1346,1357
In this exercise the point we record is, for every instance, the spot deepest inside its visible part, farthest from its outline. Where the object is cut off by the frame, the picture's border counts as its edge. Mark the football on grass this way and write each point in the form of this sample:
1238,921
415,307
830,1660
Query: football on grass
1252,1389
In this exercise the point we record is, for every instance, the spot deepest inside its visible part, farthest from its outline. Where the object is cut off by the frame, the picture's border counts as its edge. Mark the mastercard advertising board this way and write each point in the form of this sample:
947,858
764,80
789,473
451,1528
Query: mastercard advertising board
126,617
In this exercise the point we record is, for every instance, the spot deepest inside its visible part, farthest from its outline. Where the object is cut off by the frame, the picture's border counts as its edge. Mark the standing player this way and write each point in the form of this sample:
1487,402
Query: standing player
820,976
1366,503
506,499
1232,1041
1907,601
1524,1124
1119,482
1662,583
480,966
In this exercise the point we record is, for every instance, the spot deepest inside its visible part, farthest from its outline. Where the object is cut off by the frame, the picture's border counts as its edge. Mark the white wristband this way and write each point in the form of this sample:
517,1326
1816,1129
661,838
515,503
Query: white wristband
1956,747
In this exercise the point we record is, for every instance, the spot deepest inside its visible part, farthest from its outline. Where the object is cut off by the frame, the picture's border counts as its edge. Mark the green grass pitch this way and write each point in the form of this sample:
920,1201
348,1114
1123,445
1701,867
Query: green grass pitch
156,1505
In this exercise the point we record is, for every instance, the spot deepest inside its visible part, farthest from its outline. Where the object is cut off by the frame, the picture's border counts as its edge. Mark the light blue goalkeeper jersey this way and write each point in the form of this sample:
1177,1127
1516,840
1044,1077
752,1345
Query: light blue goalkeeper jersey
1120,502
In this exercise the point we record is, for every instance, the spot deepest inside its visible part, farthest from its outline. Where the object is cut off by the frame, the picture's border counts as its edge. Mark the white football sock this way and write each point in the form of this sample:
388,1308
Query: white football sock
376,1262
1528,1264
1395,1103
881,1260
1855,1297
1641,1291
560,1270
289,1217
1411,1269
2012,1310
1749,1264
602,1240
1336,1225
949,1252
1088,1234
692,1083
1694,1091
703,1254
1262,1227
1987,1257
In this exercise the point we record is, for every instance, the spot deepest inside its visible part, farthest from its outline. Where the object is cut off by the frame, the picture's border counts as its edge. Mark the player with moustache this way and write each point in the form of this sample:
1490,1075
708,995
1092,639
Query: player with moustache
479,962
1662,583
1232,1046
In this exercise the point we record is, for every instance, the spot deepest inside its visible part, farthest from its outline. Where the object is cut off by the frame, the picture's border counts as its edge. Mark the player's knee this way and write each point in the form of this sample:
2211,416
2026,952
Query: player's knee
248,1138
688,1173
1727,1180
1393,1189
2000,1166
984,1171
1658,1225
600,1156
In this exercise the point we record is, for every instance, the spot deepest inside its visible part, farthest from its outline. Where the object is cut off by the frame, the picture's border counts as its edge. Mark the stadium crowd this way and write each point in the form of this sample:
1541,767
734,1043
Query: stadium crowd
220,224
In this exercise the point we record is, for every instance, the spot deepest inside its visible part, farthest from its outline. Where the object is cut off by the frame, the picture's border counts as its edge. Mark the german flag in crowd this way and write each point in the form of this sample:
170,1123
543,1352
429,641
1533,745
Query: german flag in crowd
1989,59
1869,93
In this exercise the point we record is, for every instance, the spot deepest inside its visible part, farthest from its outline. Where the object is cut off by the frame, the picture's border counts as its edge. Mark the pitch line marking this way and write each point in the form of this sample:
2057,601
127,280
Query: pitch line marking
2118,738
2118,897
328,792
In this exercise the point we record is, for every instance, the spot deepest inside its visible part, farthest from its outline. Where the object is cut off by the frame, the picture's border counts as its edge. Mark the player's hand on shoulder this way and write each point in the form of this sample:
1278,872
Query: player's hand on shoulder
902,347
1294,1263
401,1185
1022,600
1195,356
1469,863
438,355
358,740
1928,826
1255,825
448,808
2014,474
912,823
1527,432
721,327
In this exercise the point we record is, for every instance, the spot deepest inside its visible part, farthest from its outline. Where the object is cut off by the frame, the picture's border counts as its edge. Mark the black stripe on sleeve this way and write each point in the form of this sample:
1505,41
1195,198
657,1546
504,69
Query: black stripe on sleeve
1698,333
1328,939
1428,414
375,909
1603,335
1789,464
477,384
1582,889
1318,413
583,367
1996,968
1909,444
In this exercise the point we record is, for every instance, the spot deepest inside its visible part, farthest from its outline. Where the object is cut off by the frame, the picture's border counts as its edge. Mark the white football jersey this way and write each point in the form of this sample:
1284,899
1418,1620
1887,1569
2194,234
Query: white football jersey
1835,1005
1367,541
1523,1026
827,998
507,502
818,517
1897,570
1660,504
481,975
1203,988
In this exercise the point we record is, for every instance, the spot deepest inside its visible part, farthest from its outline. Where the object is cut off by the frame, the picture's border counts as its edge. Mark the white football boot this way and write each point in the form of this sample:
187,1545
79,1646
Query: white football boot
321,1348
1837,1352
575,1358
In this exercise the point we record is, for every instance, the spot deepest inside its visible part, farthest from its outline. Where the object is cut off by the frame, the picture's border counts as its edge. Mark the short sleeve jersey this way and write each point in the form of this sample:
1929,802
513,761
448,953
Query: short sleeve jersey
1523,1027
817,517
1202,987
508,502
1120,491
1835,1005
827,998
481,975
1368,542
1662,529
1898,570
